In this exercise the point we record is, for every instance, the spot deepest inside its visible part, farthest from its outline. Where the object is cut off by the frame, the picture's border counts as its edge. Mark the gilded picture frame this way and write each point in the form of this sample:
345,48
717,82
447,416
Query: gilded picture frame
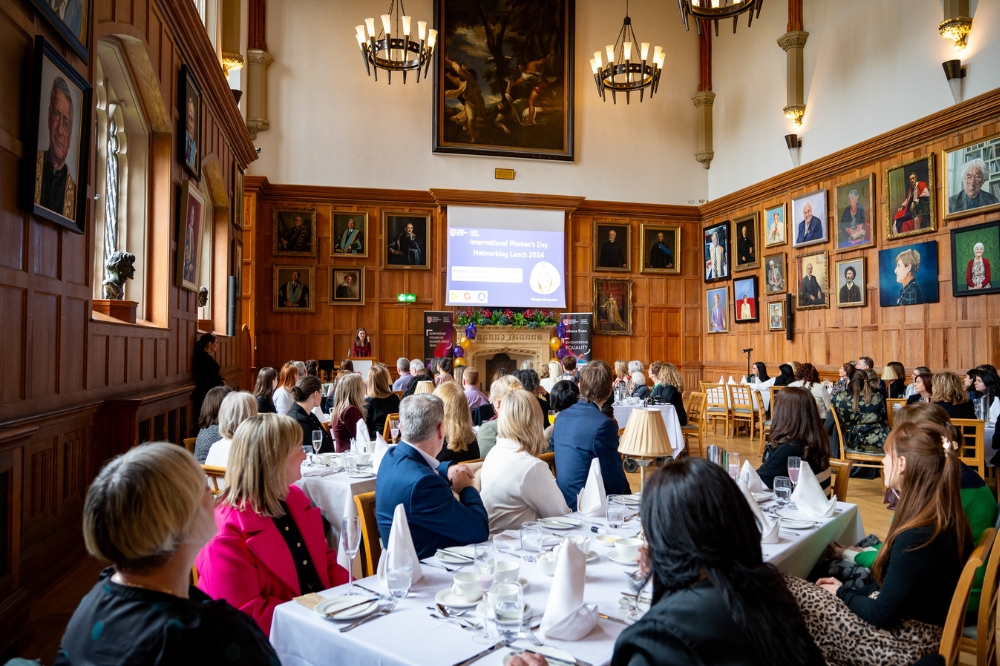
746,299
346,241
717,251
612,246
405,247
664,252
957,163
190,223
347,285
775,228
293,231
746,257
717,309
776,315
293,294
775,274
814,265
853,292
966,279
817,230
854,229
612,306
911,199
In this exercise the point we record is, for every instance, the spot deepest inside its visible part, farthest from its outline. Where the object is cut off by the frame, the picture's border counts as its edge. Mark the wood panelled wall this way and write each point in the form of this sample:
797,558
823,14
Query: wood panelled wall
79,387
954,334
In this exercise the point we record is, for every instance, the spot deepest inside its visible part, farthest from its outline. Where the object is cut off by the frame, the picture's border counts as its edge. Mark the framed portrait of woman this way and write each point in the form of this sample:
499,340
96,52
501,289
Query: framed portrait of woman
975,254
853,206
775,230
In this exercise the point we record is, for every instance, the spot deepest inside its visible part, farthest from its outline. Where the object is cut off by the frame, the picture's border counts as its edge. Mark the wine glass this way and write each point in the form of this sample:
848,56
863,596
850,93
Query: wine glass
733,463
394,430
485,565
317,440
350,537
794,466
552,417
616,512
636,582
398,572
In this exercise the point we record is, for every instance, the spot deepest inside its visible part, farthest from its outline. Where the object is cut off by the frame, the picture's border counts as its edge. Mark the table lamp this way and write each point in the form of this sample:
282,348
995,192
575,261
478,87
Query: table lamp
645,439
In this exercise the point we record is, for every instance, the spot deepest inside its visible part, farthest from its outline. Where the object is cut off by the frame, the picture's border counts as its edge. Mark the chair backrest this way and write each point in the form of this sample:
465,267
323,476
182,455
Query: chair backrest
399,394
550,460
892,405
371,547
986,635
972,452
842,472
189,444
840,433
715,396
216,475
740,396
486,412
387,429
951,638
772,391
695,402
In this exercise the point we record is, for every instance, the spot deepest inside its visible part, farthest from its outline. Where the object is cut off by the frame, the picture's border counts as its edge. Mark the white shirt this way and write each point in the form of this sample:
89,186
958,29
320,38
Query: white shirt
218,455
821,396
282,400
518,487
431,460
547,384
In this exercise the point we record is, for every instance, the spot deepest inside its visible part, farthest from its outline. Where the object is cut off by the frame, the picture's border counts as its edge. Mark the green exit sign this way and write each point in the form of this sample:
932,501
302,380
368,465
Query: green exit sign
406,298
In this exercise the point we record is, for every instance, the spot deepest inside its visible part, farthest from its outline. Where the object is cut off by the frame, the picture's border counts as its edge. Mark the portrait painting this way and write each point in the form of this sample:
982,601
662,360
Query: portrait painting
349,235
812,278
293,231
775,233
747,231
612,247
809,219
406,241
189,131
612,306
775,274
851,283
55,189
294,289
238,177
660,248
347,286
716,242
745,299
909,191
975,251
504,85
717,302
776,316
972,178
908,274
853,206
238,266
189,234
71,19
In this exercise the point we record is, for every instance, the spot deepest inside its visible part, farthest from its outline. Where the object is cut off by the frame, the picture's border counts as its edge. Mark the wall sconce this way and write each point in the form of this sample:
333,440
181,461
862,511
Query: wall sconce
794,144
955,72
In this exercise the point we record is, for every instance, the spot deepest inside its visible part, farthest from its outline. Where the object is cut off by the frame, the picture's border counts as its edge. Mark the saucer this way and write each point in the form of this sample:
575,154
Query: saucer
360,475
592,556
793,524
606,540
617,560
447,598
331,605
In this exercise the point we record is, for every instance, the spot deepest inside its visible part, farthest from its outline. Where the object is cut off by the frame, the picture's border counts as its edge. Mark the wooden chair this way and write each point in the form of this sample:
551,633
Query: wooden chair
694,427
842,474
215,476
765,421
371,546
716,406
189,444
741,398
891,406
981,640
387,429
951,638
194,575
399,394
869,460
550,460
972,450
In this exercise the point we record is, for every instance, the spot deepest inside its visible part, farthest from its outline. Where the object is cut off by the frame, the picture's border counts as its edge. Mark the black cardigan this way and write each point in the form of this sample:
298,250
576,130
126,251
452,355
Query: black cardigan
376,411
265,405
668,394
308,422
776,463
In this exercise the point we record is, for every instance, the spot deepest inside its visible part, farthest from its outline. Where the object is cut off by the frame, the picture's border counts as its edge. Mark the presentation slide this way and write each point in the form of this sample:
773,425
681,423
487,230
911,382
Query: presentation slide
506,257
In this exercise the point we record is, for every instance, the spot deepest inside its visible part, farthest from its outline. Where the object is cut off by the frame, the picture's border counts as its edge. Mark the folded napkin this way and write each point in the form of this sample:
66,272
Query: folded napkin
362,440
567,617
399,539
722,379
809,497
381,446
750,477
768,527
318,413
593,500
731,380
743,380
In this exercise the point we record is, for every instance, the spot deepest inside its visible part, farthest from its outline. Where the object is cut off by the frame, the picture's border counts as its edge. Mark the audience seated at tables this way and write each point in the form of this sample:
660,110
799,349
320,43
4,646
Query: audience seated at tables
403,367
470,385
796,430
583,433
894,376
568,369
270,546
911,387
208,422
639,388
348,409
517,485
862,414
670,390
529,380
845,371
555,370
563,395
267,382
460,443
486,437
807,377
758,373
442,368
785,376
287,378
622,375
915,573
950,396
411,475
380,401
306,396
143,609
923,388
236,408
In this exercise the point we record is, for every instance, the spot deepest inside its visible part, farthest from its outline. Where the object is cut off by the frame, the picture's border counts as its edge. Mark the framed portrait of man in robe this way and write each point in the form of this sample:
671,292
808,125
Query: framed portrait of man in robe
406,241
911,202
972,178
189,236
347,286
747,231
813,280
294,289
293,231
612,306
349,235
660,248
854,206
612,246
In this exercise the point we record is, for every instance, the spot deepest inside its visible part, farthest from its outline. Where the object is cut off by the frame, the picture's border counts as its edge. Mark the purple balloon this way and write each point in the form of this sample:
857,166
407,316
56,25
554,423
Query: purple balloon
458,352
561,353
561,330
470,331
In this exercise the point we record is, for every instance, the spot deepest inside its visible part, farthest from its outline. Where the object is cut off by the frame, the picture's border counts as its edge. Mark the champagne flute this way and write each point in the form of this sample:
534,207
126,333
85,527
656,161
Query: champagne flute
394,430
350,536
485,565
317,440
794,466
733,463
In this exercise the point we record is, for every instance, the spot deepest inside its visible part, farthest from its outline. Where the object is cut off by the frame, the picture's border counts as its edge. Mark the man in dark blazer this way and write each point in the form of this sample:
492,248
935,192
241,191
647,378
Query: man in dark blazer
410,475
582,432
810,228
850,292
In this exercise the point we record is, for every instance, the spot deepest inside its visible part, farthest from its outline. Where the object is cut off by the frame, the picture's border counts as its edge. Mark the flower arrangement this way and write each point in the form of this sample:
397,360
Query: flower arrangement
507,317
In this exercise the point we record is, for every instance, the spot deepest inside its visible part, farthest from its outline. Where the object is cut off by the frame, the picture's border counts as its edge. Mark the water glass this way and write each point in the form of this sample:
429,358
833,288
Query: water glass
485,565
733,463
399,572
782,490
531,540
794,466
508,610
715,454
351,462
616,512
317,440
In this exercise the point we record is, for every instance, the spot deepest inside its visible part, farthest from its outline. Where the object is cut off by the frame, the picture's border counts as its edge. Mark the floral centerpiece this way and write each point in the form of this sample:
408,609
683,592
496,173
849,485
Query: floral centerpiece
529,318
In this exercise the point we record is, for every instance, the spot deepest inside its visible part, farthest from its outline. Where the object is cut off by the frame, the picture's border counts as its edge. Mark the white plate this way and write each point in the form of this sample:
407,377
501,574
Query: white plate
632,500
793,524
560,523
606,540
334,603
481,609
446,598
592,556
617,560
448,558
360,475
763,497
626,602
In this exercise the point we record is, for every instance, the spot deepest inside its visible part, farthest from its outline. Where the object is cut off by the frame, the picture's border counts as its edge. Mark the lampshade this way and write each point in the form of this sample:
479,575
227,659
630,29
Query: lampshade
424,387
645,435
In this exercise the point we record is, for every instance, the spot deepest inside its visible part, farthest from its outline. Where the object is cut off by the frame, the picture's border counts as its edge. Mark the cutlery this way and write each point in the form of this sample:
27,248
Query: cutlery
790,533
457,622
532,638
377,594
550,658
447,612
352,606
385,611
477,657
452,553
441,566
555,521
612,619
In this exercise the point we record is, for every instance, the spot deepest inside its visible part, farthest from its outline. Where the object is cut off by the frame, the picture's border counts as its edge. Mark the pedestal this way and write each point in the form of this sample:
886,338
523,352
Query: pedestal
121,310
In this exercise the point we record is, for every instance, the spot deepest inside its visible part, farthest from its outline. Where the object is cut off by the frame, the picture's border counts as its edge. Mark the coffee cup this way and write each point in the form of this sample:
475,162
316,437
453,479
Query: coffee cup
580,541
364,459
326,458
465,586
547,563
507,571
628,549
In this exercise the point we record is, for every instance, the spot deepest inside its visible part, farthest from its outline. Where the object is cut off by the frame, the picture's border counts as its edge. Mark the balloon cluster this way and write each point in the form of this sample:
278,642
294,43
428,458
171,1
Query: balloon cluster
556,343
458,351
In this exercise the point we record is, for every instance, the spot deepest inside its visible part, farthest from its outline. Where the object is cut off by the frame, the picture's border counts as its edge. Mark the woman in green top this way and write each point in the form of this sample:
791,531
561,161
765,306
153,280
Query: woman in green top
861,410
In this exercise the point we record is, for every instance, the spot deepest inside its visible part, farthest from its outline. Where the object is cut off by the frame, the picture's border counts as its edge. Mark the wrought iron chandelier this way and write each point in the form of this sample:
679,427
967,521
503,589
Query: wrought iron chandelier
392,49
629,68
716,10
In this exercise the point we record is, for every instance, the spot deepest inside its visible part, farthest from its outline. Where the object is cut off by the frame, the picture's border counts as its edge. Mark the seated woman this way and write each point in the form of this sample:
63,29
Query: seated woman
143,609
443,369
348,409
564,394
807,377
894,376
639,390
796,430
263,390
951,397
845,371
670,390
287,378
622,375
380,400
208,422
486,437
923,388
715,601
915,573
758,373
517,485
307,395
861,410
911,387
270,546
460,442
236,408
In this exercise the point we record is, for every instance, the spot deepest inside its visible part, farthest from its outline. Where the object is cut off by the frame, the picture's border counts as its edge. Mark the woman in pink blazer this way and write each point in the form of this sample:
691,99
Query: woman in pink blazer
270,545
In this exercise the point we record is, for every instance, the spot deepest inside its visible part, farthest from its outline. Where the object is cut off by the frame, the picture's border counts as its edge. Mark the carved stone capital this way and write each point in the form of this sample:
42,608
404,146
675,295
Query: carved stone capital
704,98
231,62
255,125
705,158
956,29
259,57
793,39
795,112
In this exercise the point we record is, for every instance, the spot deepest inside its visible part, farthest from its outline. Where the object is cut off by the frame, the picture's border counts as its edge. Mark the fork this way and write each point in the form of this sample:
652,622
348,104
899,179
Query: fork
385,611
440,566
532,638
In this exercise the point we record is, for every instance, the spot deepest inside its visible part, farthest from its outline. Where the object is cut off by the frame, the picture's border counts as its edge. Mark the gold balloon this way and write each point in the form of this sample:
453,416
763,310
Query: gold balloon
555,343
464,343
459,362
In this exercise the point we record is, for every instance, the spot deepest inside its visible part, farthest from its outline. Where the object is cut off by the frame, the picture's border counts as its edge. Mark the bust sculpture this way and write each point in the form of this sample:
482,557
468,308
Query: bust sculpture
203,297
120,268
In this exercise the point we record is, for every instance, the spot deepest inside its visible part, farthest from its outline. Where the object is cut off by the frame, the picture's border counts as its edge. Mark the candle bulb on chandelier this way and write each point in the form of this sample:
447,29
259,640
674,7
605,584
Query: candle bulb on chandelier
406,26
422,30
370,24
432,38
360,29
594,66
644,51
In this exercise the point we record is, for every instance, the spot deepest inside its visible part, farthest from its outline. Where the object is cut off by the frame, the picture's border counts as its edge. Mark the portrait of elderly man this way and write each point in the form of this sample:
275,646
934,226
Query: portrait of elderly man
346,289
55,188
810,228
810,291
716,266
974,176
298,238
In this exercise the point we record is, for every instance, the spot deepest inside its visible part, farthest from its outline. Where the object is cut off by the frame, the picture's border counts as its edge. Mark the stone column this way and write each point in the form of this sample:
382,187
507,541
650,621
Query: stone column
703,102
232,58
258,61
957,23
793,42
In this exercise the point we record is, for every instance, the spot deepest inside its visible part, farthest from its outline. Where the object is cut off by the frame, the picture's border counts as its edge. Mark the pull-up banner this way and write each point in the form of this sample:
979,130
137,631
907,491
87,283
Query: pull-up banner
439,334
578,336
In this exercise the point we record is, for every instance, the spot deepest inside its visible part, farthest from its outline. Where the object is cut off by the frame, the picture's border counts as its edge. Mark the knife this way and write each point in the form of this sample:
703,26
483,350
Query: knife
477,657
613,619
377,594
454,554
347,608
551,658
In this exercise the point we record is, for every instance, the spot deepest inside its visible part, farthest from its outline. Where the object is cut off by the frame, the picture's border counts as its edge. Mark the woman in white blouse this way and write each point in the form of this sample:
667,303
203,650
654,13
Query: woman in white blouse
282,397
517,485
236,408
807,377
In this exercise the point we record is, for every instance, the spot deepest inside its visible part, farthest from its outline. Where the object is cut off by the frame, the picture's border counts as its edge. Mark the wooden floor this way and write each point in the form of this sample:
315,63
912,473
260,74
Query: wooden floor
54,607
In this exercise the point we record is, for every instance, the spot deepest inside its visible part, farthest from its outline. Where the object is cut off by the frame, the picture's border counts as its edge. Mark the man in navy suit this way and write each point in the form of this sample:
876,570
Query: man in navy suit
810,228
582,432
411,475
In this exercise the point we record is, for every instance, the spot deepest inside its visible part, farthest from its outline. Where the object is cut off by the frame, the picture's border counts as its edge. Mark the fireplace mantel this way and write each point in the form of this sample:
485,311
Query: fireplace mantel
526,343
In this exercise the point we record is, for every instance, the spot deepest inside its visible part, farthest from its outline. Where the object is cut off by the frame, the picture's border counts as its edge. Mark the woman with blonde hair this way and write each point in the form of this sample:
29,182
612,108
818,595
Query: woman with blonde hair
287,378
486,437
236,408
670,389
949,394
143,609
555,369
622,375
460,442
517,484
348,409
270,547
380,401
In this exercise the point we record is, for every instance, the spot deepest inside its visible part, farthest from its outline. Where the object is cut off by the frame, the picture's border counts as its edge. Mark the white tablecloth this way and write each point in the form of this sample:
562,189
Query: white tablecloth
410,637
333,494
670,420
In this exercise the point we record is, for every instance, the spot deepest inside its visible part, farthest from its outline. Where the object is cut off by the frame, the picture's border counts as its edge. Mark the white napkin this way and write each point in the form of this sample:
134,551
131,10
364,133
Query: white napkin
362,439
317,470
768,528
809,497
731,380
593,500
722,379
318,413
399,538
749,476
567,617
743,380
381,447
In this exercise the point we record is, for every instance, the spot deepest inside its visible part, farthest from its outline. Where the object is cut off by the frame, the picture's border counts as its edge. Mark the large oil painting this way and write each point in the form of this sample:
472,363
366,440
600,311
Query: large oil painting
505,78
